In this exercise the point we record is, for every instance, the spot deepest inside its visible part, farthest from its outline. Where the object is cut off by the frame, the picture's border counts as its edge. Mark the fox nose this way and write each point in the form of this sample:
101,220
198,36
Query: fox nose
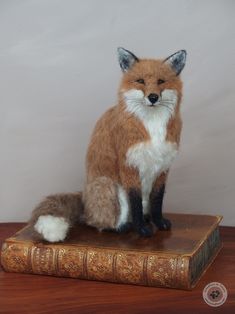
153,98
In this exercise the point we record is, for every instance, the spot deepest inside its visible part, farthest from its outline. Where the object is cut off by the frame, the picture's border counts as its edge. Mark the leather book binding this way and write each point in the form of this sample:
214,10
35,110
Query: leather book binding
172,259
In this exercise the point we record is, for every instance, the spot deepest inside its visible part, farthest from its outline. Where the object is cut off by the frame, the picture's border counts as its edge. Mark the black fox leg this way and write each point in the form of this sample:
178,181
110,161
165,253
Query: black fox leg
156,201
137,213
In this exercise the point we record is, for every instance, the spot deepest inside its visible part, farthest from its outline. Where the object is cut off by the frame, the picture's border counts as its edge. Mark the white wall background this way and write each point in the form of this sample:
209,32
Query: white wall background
59,73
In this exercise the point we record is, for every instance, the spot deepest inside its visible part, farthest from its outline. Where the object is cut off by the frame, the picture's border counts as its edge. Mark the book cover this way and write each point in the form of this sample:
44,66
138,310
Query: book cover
173,259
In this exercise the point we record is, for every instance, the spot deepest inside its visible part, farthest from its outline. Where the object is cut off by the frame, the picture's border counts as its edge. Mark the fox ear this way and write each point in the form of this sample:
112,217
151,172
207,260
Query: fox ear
177,61
126,59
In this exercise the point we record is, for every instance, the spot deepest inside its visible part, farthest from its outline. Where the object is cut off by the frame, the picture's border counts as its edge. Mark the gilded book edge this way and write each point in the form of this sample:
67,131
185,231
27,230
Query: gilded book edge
213,257
217,249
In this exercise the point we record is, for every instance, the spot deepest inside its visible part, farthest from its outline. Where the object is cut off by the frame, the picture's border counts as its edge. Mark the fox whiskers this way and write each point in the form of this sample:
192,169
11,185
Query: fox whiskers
165,105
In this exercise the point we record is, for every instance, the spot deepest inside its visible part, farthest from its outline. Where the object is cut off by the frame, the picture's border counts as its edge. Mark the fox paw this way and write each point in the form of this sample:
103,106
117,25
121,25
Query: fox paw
126,227
145,231
163,224
52,228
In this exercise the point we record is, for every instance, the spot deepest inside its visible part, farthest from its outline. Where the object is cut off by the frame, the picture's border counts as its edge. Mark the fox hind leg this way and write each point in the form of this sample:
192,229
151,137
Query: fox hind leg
105,205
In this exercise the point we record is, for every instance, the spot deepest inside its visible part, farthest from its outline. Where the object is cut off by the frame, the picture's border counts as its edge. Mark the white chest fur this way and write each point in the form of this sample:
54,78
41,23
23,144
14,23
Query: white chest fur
155,156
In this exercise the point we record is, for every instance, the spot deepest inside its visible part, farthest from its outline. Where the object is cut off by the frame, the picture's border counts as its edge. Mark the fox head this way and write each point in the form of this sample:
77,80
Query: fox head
151,83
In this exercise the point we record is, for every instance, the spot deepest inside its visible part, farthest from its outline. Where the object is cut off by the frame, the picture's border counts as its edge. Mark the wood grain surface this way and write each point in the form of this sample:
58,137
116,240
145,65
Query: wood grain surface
21,293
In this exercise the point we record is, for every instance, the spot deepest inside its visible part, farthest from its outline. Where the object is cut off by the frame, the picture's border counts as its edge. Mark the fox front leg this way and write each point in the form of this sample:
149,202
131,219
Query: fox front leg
137,213
131,183
156,202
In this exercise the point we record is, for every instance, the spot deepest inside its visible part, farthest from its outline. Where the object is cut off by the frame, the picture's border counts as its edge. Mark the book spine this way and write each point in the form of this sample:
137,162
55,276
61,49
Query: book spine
130,267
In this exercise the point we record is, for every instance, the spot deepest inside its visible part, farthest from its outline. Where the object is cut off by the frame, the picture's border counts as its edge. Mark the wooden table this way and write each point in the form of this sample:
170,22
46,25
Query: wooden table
21,293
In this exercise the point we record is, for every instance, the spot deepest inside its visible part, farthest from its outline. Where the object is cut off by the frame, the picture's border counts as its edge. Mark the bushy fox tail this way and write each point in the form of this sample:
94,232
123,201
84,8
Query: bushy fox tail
55,215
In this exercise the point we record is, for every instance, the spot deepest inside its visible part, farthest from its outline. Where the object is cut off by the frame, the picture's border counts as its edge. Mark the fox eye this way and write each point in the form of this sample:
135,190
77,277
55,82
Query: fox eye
141,81
160,81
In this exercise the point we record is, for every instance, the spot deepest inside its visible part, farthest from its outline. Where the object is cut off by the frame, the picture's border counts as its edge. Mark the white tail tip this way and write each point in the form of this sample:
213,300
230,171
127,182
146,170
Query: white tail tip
53,229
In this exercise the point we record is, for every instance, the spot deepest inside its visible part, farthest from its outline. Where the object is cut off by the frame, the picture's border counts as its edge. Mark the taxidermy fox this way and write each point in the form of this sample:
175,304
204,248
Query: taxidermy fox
129,155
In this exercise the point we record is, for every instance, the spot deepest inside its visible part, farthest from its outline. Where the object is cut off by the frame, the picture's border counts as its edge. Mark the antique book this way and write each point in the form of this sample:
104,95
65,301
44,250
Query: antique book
173,259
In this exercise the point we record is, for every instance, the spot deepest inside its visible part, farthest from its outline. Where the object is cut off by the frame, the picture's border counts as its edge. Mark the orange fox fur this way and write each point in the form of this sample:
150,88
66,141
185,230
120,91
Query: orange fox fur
112,178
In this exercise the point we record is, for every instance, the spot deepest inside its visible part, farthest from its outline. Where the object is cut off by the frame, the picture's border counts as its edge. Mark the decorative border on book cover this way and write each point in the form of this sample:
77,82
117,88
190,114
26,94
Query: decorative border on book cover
98,264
